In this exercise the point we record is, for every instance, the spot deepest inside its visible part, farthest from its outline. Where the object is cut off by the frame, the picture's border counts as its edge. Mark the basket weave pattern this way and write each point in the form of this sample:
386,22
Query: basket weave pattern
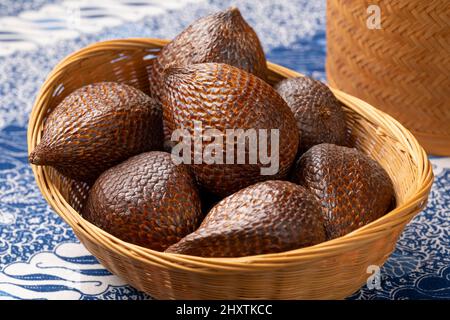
333,269
402,68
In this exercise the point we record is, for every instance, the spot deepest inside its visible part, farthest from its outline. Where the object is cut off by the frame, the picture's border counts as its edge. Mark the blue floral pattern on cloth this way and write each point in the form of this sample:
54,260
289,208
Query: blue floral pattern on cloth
40,257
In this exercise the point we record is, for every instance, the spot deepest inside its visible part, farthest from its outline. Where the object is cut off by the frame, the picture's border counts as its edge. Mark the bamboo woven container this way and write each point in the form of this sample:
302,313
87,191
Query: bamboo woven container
402,68
333,269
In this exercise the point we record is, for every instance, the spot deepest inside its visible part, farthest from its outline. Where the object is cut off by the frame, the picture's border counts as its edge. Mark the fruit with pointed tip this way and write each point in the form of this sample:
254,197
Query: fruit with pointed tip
320,117
268,217
352,188
222,37
224,98
96,127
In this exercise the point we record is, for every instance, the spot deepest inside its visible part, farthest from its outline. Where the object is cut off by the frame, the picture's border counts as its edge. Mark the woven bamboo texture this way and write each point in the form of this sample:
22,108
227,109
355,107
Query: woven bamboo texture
330,270
402,68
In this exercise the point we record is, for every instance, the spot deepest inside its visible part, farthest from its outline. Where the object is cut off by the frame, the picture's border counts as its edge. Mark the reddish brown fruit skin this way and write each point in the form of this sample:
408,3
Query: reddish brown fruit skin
319,114
146,200
222,37
352,188
97,127
224,97
268,217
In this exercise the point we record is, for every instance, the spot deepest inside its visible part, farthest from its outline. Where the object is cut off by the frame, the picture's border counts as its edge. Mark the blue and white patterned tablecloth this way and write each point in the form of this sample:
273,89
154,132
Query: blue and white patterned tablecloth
39,255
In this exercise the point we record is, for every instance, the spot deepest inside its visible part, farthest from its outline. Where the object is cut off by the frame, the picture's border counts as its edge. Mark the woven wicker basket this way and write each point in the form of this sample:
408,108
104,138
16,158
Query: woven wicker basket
334,269
402,68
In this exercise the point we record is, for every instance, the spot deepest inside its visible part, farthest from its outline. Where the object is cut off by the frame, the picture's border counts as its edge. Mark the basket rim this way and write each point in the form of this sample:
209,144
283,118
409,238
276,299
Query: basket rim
400,215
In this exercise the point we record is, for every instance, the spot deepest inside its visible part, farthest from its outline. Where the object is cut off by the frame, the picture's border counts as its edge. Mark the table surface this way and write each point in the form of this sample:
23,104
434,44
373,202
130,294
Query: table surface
39,255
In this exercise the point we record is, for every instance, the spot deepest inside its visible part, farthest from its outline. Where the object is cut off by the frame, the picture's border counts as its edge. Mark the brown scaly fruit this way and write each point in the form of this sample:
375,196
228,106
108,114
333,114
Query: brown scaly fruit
97,127
146,200
352,188
268,217
223,97
319,114
222,37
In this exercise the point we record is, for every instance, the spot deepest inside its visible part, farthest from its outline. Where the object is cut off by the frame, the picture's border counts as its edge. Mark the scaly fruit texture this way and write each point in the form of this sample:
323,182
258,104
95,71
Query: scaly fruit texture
147,200
223,97
97,127
222,37
268,217
352,188
319,114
